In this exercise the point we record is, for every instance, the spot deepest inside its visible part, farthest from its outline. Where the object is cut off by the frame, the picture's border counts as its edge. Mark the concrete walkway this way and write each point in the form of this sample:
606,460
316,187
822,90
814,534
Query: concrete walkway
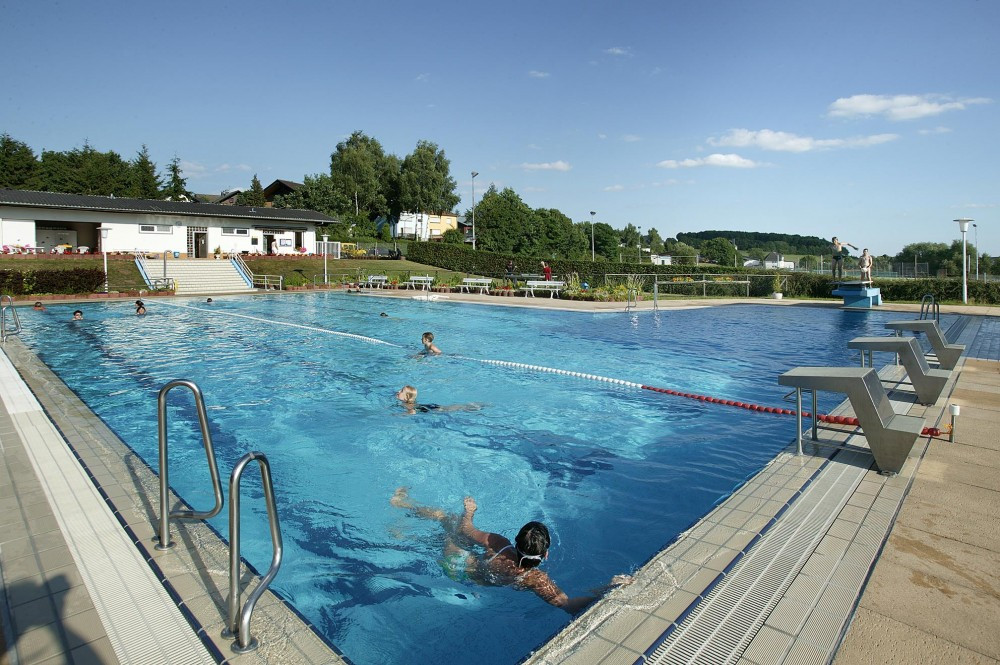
934,595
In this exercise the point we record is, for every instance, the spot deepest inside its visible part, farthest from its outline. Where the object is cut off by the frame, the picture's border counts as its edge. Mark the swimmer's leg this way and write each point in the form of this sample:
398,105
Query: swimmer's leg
401,499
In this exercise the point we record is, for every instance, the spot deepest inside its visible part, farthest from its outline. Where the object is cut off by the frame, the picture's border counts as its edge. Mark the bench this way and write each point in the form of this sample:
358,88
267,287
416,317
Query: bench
422,281
927,383
947,354
552,287
376,281
481,283
890,435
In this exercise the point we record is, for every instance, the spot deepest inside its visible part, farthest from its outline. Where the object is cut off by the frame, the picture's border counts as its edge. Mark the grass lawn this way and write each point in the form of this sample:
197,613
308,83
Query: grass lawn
124,276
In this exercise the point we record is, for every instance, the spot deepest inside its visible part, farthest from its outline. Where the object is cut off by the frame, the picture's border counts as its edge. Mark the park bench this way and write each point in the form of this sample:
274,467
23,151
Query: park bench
890,435
552,287
927,383
481,283
376,281
422,281
947,354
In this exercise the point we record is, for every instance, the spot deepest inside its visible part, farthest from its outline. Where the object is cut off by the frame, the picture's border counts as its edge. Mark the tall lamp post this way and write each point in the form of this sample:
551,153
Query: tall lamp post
592,255
104,250
976,227
474,174
326,248
963,226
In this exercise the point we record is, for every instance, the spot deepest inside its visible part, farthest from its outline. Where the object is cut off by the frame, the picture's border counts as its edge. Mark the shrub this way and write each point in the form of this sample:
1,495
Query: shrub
75,280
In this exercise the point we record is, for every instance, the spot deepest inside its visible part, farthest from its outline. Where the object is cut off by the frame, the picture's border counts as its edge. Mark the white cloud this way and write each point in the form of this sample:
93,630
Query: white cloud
615,188
197,170
422,78
547,166
900,107
619,51
631,138
935,130
767,139
535,74
534,146
602,136
715,159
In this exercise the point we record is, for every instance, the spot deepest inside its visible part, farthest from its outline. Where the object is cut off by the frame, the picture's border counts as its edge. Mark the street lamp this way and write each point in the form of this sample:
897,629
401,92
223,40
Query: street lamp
326,279
977,250
963,225
592,255
104,250
474,174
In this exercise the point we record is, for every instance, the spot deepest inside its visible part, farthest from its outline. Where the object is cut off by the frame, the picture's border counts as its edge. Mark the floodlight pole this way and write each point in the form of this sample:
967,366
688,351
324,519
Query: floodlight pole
104,250
976,227
326,279
592,255
963,226
474,174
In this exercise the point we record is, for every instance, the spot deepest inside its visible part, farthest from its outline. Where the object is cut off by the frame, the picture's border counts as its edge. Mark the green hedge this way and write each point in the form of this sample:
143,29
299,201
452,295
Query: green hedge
27,282
462,258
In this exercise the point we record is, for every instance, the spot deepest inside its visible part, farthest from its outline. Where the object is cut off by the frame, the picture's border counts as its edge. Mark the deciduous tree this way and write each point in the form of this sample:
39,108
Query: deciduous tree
425,184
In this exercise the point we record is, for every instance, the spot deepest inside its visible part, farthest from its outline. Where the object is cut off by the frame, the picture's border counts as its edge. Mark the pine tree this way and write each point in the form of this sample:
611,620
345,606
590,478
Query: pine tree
18,166
176,189
254,196
143,182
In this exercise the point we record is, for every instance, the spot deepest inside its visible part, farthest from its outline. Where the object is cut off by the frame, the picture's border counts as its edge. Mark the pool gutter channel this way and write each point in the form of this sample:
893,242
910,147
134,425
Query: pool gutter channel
772,574
194,572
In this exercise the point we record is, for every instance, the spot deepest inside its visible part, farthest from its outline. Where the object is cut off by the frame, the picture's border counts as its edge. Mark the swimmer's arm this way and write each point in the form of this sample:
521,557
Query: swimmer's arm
547,590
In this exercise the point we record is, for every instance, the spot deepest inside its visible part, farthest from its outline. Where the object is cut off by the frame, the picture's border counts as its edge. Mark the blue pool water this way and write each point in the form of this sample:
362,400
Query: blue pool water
615,472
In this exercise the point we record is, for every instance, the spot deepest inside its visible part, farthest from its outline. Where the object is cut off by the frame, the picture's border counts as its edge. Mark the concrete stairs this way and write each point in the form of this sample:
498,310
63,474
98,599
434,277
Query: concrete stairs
193,276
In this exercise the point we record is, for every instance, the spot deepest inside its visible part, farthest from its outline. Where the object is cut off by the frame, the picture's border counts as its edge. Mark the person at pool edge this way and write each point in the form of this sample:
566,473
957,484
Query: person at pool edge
428,341
838,249
503,562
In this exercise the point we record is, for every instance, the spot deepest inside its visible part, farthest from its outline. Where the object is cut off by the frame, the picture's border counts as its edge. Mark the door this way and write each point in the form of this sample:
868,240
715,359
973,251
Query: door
201,245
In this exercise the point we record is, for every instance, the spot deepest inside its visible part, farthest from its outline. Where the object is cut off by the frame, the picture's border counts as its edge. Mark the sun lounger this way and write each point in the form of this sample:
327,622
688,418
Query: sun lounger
890,435
947,354
927,383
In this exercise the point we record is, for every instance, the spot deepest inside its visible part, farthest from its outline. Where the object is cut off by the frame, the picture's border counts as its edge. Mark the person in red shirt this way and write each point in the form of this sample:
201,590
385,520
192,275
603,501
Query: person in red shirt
547,271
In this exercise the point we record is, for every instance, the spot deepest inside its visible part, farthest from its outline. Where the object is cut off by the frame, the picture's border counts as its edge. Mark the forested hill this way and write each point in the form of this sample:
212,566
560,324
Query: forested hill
783,243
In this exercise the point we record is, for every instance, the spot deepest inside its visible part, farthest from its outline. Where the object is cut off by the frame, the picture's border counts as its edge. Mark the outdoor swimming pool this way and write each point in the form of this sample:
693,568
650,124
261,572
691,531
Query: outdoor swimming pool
615,472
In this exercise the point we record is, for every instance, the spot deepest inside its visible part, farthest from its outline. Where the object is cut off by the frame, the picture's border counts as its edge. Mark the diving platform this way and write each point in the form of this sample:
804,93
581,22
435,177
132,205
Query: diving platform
858,295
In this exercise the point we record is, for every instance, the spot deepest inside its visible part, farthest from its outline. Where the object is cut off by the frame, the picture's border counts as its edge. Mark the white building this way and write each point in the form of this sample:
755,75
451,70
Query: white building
425,226
47,222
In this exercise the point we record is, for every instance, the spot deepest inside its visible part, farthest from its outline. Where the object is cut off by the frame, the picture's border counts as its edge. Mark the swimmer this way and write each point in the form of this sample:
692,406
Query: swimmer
408,396
140,308
503,563
78,315
209,301
38,307
383,314
427,339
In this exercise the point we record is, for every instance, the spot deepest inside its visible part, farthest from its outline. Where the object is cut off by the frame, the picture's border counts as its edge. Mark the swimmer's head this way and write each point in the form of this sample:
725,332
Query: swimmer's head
407,394
427,337
532,544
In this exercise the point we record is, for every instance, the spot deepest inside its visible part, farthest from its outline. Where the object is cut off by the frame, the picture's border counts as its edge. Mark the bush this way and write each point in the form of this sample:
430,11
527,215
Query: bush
75,280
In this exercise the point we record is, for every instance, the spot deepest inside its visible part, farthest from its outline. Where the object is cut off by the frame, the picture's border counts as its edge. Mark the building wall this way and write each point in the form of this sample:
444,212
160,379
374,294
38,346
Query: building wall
25,225
425,226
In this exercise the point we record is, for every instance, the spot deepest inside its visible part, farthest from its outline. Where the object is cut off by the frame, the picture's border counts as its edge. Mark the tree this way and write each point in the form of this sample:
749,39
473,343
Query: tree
176,188
808,262
425,184
501,218
18,166
719,250
254,196
682,253
655,241
364,177
606,241
453,237
143,183
316,193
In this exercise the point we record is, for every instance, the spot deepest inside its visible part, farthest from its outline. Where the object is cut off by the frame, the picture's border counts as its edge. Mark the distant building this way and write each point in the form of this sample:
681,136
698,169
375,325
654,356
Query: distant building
425,226
279,188
665,260
775,261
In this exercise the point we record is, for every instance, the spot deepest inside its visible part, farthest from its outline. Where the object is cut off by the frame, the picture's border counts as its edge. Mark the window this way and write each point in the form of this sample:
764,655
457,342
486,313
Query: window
235,232
150,228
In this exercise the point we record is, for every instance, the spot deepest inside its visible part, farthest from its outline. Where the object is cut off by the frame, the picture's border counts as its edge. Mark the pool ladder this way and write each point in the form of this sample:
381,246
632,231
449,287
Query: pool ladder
929,308
631,299
6,302
238,625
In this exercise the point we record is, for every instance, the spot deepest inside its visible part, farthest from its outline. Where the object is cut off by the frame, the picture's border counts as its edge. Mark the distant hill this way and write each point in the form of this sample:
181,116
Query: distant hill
783,243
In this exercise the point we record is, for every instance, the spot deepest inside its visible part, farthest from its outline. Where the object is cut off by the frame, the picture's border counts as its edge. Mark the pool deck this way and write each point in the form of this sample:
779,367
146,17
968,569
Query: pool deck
815,559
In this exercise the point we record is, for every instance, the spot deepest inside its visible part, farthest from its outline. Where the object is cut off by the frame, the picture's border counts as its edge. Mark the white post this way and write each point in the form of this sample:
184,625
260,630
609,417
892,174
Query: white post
963,225
104,250
976,227
326,279
592,255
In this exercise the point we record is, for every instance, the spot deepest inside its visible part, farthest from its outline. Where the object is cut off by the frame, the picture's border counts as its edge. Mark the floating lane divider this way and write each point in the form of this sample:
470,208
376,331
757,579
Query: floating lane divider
836,420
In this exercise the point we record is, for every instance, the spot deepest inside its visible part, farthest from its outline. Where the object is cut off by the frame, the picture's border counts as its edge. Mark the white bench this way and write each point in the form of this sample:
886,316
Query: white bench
481,283
890,435
376,281
552,287
947,354
927,383
422,281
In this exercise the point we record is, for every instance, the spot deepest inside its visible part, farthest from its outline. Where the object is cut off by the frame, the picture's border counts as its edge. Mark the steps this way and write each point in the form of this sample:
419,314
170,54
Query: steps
193,276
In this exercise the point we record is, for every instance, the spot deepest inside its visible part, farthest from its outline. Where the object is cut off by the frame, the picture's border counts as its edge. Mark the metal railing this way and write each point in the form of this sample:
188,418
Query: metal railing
256,281
7,302
239,620
155,283
631,299
929,307
165,514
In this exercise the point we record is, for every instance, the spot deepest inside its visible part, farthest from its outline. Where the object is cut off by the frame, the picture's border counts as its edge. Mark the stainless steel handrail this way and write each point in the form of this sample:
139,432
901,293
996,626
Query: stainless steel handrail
213,468
7,302
239,621
929,307
631,299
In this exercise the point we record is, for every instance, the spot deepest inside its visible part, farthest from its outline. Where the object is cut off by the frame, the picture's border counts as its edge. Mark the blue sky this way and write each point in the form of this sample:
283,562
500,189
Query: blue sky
873,120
